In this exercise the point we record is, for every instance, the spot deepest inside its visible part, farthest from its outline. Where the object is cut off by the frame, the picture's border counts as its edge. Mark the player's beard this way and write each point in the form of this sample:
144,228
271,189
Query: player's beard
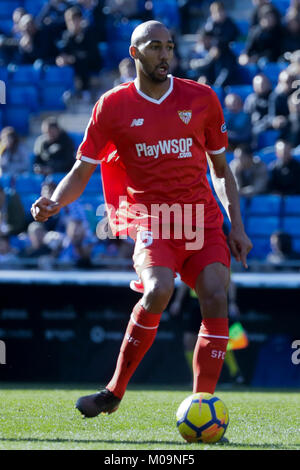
152,73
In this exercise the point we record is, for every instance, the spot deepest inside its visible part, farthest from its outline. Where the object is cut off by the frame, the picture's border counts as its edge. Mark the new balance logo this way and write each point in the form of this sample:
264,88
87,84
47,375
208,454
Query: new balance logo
137,122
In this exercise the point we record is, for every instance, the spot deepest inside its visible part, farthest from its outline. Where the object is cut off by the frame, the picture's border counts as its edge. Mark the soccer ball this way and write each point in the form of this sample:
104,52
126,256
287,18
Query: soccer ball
202,417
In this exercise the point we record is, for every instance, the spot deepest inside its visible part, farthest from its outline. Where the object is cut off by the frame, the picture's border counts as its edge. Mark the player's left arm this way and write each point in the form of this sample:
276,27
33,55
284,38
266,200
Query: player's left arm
226,190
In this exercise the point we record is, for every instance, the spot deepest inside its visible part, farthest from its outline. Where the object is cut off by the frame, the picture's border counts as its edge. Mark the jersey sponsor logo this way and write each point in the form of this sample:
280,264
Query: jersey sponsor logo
180,147
137,122
223,128
185,116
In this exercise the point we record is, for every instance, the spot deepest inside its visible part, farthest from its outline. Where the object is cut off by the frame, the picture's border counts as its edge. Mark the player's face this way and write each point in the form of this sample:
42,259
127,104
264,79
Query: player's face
155,55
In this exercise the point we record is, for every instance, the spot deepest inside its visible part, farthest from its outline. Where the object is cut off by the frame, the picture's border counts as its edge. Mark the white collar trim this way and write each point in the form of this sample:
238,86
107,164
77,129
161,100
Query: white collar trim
152,99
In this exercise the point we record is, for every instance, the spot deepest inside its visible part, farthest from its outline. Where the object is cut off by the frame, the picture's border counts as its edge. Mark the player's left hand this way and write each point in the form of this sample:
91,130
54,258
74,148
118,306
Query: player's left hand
240,245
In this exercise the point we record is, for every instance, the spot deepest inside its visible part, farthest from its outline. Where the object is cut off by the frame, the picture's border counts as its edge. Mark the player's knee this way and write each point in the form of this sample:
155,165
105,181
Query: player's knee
215,303
157,294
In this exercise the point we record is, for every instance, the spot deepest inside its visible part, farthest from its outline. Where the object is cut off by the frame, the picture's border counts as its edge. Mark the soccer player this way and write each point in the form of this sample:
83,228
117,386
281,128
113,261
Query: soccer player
153,137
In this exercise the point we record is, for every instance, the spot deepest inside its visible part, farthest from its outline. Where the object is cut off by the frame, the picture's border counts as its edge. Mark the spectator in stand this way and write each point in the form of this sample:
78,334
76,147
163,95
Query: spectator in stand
12,213
9,43
219,68
35,246
77,245
257,104
8,256
281,249
205,41
79,49
264,40
36,43
291,33
52,12
18,13
256,13
220,25
284,173
291,130
126,71
294,7
278,103
14,157
92,11
250,172
54,150
238,122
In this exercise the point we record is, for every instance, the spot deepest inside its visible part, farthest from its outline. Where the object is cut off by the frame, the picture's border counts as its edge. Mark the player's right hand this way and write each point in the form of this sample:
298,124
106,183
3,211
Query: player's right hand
43,208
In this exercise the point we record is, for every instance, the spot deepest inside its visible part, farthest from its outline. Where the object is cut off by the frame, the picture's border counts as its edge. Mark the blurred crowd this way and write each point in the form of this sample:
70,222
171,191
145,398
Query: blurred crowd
255,72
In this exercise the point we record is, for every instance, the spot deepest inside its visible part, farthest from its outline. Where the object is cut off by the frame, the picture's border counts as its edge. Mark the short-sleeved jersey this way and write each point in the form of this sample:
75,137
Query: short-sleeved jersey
161,144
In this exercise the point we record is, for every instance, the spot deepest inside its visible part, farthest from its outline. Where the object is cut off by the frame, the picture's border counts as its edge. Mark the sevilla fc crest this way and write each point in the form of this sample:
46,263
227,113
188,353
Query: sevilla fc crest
185,116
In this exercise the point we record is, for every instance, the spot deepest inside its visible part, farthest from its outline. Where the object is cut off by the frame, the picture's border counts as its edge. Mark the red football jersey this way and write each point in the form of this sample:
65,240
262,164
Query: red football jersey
160,144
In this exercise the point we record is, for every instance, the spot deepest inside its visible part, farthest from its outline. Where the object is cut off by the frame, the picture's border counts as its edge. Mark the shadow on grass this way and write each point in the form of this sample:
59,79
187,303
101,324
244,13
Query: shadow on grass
227,445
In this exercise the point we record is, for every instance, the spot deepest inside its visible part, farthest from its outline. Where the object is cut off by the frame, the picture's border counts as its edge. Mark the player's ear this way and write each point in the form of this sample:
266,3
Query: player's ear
133,52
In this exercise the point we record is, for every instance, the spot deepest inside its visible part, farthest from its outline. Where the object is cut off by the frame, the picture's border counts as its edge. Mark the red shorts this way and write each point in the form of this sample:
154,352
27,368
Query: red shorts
174,255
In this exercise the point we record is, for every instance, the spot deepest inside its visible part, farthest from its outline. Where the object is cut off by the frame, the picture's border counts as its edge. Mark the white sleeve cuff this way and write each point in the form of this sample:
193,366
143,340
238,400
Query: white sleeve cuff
216,152
89,160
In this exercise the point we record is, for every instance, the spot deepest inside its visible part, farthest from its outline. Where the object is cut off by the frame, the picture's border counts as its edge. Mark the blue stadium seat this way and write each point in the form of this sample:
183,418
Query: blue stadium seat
1,119
5,181
229,157
292,205
58,75
52,97
167,12
77,138
26,95
247,73
237,47
242,90
7,7
291,225
219,92
33,6
267,154
296,244
4,74
28,74
268,204
272,70
94,186
243,26
6,25
29,183
282,5
28,200
262,226
267,138
18,117
261,247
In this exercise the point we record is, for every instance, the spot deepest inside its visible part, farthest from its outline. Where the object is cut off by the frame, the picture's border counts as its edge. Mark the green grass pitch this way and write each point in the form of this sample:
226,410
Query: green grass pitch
44,417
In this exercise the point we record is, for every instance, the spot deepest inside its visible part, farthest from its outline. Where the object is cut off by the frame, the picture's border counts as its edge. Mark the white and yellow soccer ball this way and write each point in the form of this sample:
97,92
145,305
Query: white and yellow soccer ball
202,417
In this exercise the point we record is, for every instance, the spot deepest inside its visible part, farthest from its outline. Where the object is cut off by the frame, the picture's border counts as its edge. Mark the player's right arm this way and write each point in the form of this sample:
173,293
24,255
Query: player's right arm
93,150
68,190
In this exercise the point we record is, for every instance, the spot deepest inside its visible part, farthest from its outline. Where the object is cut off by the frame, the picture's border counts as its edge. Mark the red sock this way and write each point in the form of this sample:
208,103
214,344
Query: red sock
139,336
209,354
